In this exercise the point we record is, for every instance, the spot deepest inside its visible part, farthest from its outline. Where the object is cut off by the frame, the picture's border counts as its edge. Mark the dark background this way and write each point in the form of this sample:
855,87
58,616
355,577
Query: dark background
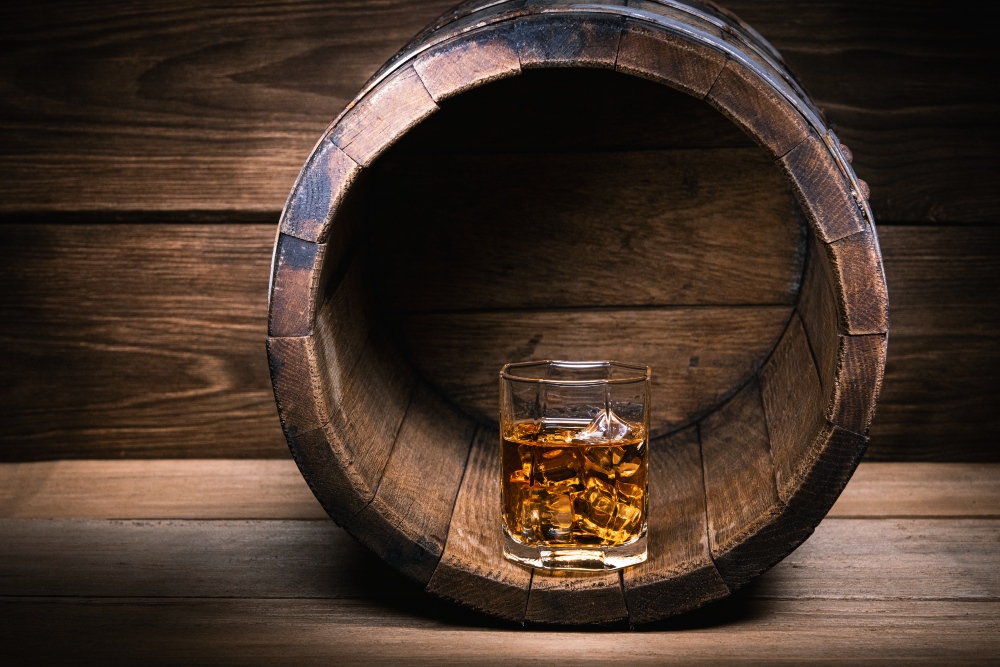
146,152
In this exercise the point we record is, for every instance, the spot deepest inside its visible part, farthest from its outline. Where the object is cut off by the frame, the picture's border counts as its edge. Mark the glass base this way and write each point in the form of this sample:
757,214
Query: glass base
587,559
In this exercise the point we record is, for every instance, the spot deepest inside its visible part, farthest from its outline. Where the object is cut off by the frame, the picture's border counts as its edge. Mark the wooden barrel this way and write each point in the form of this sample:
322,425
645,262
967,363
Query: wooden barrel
638,180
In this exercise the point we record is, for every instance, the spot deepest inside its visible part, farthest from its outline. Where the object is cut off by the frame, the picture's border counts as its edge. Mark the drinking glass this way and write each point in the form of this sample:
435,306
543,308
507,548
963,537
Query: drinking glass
574,462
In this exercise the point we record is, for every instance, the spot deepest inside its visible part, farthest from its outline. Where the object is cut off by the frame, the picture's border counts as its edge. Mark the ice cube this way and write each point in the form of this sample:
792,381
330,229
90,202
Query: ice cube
596,506
605,426
599,460
558,465
546,515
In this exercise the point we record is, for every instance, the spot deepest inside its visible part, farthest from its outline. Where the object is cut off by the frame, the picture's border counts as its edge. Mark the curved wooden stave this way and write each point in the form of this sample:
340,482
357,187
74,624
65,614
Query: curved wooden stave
812,458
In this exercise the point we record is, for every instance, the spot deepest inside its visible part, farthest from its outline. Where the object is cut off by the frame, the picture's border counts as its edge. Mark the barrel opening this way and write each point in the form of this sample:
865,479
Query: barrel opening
583,214
581,184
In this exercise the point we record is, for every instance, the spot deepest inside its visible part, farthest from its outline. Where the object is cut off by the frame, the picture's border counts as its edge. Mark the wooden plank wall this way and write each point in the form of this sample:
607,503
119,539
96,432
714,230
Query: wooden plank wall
146,151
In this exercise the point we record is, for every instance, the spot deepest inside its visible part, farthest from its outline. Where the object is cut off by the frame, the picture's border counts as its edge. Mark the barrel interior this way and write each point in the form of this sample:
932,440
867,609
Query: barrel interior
582,214
571,213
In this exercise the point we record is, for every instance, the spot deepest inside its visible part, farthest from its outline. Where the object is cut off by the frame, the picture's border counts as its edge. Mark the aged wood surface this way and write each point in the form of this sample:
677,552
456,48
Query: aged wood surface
407,521
361,632
135,340
585,229
749,527
921,559
472,567
678,574
131,96
274,489
699,355
876,587
111,331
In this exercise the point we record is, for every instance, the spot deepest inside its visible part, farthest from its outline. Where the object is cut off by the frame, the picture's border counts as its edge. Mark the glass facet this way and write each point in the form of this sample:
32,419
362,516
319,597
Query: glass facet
574,463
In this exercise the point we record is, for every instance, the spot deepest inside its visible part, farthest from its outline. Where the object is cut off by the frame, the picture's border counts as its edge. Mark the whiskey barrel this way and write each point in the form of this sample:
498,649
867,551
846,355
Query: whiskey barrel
638,180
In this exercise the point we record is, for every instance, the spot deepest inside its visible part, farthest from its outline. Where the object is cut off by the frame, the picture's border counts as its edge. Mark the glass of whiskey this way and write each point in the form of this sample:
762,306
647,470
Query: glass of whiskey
574,456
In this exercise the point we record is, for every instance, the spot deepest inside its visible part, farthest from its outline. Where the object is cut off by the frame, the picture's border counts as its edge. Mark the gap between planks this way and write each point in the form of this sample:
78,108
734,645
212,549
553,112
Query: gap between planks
274,489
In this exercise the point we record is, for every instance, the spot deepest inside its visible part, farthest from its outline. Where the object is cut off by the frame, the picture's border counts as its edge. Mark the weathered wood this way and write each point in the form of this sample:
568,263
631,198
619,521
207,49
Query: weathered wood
938,399
568,41
570,110
860,283
453,68
822,190
320,188
406,523
274,489
679,573
127,292
448,235
906,87
472,569
382,116
923,558
758,109
699,355
365,633
157,489
920,559
344,457
747,526
665,58
921,489
135,340
575,598
296,277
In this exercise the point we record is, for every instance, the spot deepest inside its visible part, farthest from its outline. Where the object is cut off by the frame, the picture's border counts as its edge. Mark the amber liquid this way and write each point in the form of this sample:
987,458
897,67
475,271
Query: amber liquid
565,486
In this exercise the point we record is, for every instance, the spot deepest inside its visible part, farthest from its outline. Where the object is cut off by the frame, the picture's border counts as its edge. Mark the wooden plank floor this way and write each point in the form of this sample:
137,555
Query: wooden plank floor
233,562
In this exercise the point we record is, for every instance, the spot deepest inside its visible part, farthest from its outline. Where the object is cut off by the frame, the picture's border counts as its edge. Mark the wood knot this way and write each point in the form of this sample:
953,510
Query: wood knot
865,190
848,155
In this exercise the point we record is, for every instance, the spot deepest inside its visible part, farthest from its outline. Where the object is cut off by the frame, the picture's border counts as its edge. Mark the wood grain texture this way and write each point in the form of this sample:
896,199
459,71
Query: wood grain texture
651,228
823,190
157,489
698,355
568,41
382,116
194,106
891,76
922,559
344,458
293,302
321,188
274,489
860,282
678,574
217,631
575,598
749,528
130,96
406,523
110,331
794,403
938,399
657,55
914,489
135,340
472,569
757,108
813,459
489,55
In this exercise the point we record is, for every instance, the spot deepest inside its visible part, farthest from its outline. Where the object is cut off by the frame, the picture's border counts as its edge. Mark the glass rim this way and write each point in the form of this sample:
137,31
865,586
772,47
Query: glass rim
506,374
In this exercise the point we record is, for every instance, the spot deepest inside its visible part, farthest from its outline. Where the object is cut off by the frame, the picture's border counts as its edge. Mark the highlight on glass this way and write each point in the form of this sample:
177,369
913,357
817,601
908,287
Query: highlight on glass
573,462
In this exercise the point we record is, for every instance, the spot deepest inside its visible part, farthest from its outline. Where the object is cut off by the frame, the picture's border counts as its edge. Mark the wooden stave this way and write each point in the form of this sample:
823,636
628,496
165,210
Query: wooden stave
848,250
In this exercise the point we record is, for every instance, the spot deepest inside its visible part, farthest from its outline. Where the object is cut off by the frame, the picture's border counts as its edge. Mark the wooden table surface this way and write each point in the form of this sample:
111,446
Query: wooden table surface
233,562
